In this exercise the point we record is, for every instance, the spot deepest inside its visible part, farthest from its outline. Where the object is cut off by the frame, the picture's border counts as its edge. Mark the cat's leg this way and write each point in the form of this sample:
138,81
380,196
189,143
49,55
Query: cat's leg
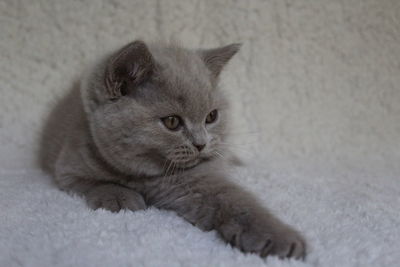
215,203
109,196
79,171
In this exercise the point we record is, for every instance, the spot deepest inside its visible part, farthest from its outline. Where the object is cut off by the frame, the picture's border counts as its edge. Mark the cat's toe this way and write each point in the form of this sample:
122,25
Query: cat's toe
289,245
282,242
105,202
132,202
114,198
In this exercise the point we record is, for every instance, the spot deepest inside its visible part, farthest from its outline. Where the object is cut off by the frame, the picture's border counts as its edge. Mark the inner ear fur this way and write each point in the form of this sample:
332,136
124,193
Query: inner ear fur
129,67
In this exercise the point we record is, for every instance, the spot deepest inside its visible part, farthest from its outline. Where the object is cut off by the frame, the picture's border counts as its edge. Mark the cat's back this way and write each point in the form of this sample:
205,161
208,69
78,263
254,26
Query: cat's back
63,120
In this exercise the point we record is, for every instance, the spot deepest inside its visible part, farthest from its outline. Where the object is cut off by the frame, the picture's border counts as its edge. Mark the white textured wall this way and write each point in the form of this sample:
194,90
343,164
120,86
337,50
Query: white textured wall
314,79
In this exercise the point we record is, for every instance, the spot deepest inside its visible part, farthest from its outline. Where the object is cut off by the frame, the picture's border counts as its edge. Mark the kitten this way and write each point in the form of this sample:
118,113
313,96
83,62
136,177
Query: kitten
147,129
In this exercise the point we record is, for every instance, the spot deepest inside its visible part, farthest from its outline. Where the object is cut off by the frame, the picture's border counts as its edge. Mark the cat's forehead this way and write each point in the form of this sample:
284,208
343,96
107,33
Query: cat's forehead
183,78
186,82
183,68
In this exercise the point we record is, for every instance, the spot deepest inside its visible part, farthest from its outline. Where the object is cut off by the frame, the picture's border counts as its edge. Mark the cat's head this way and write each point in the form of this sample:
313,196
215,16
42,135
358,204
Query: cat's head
156,108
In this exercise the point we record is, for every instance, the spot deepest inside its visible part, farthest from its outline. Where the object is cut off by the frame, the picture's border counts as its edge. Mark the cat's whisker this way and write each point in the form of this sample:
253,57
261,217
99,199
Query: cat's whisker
167,178
236,144
233,151
218,154
182,171
163,169
163,182
245,133
235,147
169,166
164,164
173,169
171,173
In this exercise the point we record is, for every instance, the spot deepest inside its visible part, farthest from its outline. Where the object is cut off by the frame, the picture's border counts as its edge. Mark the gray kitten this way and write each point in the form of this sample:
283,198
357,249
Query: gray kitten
147,129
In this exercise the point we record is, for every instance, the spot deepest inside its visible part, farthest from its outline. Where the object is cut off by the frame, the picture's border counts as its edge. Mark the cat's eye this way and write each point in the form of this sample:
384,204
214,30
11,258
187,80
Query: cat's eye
212,116
172,122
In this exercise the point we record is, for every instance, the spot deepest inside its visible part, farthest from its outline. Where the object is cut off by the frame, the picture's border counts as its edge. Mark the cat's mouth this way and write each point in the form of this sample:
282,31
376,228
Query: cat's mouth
183,158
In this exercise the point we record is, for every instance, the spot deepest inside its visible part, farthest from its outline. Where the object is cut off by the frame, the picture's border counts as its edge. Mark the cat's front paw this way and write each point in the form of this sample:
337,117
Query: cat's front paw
279,240
114,198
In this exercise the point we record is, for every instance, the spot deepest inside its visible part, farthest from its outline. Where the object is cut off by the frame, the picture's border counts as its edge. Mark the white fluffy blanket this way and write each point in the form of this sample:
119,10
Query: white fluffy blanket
315,92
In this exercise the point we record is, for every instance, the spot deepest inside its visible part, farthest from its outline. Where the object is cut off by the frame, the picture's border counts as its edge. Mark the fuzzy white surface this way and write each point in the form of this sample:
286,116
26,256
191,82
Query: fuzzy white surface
315,92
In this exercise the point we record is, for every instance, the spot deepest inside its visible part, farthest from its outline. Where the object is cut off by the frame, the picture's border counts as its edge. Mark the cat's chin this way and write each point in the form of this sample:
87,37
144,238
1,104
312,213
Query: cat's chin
195,162
188,164
174,167
181,166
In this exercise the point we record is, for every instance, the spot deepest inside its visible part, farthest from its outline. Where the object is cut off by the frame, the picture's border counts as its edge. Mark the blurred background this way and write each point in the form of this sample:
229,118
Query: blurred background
315,81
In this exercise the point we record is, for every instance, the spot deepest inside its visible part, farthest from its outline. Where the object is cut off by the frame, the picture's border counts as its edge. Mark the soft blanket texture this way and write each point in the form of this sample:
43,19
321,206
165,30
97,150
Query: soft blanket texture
315,93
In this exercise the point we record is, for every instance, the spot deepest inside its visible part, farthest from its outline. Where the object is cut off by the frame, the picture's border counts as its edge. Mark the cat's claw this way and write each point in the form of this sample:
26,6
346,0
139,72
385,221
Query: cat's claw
289,245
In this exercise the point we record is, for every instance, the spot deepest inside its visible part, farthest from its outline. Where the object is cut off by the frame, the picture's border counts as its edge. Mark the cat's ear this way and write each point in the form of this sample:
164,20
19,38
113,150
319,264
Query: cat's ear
129,67
216,58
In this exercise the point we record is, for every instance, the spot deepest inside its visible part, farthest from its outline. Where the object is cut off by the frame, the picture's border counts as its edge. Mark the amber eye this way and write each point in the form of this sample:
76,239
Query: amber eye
212,116
172,122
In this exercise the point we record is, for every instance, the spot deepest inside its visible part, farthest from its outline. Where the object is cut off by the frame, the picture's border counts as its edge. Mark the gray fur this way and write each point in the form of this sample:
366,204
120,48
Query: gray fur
107,143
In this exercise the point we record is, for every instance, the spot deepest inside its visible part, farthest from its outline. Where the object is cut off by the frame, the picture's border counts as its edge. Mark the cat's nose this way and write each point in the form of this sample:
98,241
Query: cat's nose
199,147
